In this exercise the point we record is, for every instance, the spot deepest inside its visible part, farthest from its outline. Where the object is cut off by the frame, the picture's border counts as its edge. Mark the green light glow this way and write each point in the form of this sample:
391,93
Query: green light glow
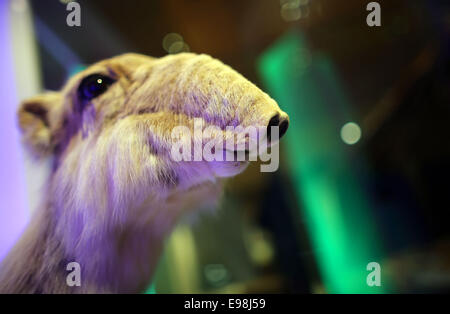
151,289
334,205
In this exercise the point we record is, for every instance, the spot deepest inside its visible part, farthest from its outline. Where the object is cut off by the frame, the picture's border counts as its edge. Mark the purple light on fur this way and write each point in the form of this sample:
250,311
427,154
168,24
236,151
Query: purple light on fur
13,210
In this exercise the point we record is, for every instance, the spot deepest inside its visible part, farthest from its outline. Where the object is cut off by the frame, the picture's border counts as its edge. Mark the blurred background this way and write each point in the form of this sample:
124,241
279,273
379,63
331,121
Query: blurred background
365,166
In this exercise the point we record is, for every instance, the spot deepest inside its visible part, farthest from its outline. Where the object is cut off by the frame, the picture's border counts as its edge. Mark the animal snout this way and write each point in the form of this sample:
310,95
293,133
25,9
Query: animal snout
282,122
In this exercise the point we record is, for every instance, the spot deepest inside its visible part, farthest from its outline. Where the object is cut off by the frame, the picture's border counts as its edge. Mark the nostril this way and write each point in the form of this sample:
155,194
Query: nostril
274,121
282,126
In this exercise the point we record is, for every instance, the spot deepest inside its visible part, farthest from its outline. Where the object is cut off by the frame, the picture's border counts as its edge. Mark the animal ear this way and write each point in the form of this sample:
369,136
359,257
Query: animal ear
37,122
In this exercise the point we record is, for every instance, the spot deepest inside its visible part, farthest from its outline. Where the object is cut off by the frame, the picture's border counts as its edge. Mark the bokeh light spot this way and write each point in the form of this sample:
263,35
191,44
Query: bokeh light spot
351,133
171,39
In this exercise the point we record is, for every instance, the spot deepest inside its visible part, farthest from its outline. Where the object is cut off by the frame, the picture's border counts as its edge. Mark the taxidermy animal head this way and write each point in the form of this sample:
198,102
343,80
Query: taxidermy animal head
115,189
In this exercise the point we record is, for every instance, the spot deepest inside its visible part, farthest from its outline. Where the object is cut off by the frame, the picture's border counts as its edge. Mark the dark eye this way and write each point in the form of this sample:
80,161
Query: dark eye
93,85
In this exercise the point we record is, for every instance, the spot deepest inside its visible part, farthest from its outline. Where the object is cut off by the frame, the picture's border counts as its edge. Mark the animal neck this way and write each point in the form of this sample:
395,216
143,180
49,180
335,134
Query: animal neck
114,255
117,259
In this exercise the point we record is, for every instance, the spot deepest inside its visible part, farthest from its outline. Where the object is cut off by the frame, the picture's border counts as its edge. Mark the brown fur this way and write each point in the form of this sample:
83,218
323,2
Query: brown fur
114,193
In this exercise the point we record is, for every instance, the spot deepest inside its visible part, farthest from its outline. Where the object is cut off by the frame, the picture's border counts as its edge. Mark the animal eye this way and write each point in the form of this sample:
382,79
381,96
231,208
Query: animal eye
93,85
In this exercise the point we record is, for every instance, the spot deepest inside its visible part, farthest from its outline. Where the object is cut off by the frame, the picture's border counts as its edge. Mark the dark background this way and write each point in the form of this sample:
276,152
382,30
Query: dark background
397,77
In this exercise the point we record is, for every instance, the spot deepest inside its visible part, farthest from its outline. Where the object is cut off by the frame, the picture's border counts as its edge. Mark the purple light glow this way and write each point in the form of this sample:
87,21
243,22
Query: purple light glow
13,209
